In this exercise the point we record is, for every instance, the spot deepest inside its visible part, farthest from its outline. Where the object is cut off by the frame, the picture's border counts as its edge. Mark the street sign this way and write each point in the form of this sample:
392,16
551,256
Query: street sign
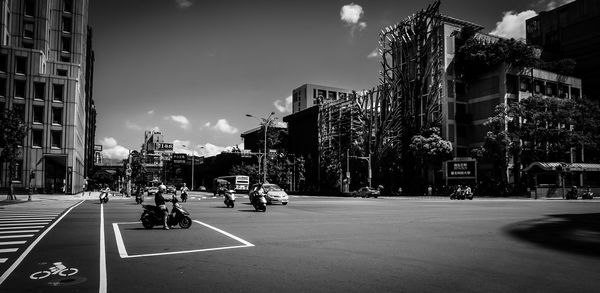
179,158
97,147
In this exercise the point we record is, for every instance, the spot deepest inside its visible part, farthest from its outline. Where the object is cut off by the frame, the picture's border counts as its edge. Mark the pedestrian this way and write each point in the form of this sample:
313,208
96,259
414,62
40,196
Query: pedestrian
429,191
184,193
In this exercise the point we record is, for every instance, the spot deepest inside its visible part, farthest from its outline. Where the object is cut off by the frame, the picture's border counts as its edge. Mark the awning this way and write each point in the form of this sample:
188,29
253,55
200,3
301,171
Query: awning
573,167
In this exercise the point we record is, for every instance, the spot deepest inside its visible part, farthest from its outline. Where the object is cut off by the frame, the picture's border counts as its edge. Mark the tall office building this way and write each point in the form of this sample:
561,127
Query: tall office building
46,67
571,31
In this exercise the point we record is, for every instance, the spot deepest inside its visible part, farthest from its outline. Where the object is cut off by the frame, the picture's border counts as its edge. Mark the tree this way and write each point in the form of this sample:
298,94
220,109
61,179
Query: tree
430,149
138,170
539,129
13,133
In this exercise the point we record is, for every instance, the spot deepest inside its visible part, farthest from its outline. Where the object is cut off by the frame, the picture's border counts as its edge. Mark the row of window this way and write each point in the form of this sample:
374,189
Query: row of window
39,90
37,138
38,113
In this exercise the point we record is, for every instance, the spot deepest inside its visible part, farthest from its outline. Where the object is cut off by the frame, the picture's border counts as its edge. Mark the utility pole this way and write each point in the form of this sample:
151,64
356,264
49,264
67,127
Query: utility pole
265,122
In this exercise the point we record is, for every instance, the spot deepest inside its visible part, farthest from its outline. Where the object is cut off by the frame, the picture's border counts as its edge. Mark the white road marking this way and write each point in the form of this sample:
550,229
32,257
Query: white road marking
21,227
19,231
24,224
12,242
3,260
16,236
33,244
27,218
123,251
102,287
6,250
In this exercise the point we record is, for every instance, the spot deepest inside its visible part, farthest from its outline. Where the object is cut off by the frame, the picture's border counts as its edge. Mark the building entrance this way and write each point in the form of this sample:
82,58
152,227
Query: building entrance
55,173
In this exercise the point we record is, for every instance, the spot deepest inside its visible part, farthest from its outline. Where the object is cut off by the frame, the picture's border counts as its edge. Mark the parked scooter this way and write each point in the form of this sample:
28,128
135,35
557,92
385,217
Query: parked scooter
229,198
259,202
153,216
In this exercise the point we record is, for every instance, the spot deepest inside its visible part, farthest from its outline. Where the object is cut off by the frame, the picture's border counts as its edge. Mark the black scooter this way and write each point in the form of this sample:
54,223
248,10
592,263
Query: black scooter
139,198
153,216
259,202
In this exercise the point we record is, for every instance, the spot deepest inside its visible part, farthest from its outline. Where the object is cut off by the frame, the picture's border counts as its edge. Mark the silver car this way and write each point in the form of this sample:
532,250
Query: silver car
275,194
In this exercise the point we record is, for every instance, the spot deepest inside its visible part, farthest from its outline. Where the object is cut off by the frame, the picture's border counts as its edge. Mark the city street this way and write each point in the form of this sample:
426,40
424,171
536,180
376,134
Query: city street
324,244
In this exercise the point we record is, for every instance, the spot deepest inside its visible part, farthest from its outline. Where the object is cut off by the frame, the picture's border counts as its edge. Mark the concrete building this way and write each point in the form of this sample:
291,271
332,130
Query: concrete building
571,31
46,68
308,95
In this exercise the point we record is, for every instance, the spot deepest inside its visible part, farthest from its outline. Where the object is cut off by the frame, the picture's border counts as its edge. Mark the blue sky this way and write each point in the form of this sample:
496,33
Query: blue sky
192,69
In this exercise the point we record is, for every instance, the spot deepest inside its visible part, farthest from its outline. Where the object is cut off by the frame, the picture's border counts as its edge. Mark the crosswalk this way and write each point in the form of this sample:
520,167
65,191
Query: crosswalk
18,228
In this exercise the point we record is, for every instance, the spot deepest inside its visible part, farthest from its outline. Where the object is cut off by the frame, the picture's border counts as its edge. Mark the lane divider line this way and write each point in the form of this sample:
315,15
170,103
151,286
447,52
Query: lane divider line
34,243
102,287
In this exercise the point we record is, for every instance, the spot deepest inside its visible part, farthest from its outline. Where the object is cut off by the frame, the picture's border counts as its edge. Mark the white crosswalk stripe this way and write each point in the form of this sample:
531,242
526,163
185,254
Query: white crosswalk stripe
18,228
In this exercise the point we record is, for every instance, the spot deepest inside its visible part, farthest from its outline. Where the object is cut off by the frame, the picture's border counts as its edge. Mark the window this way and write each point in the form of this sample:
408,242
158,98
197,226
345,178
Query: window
3,62
551,89
2,87
37,137
450,88
40,90
57,116
58,92
66,44
68,6
65,57
538,86
67,24
511,84
30,8
38,114
21,65
28,29
461,91
56,139
20,110
575,93
331,95
19,89
62,72
525,84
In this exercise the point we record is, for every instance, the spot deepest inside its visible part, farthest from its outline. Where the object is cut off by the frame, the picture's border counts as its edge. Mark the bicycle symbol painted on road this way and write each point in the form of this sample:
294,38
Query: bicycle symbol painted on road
57,269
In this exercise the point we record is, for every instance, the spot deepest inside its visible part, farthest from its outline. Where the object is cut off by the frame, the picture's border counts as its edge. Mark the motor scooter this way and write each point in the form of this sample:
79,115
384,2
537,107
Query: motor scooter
153,216
229,199
103,197
259,202
139,198
587,195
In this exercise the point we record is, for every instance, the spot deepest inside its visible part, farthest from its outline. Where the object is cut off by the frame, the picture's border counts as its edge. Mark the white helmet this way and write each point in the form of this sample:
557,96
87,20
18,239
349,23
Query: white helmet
162,187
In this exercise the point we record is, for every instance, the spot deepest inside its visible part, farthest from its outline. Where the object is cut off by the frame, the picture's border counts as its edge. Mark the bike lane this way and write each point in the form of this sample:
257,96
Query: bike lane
66,259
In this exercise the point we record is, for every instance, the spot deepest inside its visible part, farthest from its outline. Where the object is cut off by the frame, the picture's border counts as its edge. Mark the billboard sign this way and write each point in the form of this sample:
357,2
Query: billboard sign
461,169
163,146
179,158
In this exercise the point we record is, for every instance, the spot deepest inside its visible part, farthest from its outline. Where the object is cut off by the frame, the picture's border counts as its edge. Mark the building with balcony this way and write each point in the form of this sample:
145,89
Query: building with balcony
46,71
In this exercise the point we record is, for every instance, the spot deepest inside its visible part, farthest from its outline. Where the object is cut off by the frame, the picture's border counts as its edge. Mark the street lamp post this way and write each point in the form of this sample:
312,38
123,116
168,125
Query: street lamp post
265,122
193,163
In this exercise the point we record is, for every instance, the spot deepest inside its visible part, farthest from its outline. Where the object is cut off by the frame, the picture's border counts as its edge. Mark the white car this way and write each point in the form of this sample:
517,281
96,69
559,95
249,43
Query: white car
275,194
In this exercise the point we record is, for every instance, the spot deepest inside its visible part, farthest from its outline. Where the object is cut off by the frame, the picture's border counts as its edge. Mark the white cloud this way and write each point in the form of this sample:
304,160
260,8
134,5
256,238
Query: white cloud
180,119
184,3
206,150
150,112
351,15
284,106
373,54
513,24
551,4
133,126
112,150
223,126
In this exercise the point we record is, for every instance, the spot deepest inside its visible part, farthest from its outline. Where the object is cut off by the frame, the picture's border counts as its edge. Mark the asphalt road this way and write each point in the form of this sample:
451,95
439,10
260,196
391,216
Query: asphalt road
320,245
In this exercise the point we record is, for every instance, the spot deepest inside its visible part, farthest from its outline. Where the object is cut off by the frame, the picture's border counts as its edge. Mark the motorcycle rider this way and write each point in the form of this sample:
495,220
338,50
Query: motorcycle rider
161,204
184,191
104,192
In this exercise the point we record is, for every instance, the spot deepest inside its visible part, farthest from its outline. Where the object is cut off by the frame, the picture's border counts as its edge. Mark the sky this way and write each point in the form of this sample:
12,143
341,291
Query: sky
193,69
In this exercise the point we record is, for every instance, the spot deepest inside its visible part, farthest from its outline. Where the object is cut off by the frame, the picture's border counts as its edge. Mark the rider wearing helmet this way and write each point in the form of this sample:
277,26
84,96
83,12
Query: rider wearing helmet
160,202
